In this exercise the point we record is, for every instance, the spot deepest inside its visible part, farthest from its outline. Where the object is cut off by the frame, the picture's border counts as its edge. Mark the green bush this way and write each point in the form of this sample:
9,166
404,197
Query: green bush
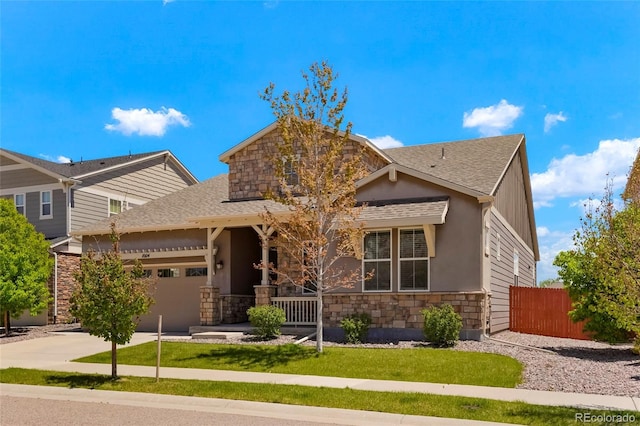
355,327
267,320
442,325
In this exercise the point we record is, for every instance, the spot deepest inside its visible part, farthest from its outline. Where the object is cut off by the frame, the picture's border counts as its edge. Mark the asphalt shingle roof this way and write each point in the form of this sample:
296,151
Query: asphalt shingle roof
476,164
79,168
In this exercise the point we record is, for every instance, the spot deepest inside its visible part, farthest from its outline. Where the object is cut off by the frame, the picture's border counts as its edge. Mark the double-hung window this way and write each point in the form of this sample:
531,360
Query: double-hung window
377,261
19,201
115,206
290,171
413,259
46,205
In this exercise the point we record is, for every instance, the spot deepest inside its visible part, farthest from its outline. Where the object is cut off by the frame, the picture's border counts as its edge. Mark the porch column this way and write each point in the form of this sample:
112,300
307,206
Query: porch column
209,305
210,257
264,232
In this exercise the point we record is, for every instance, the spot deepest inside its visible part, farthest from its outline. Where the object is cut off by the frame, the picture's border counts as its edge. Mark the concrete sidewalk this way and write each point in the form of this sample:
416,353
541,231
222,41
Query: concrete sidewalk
54,353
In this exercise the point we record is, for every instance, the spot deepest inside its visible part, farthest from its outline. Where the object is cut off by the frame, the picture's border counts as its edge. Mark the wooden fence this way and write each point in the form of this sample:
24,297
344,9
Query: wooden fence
543,311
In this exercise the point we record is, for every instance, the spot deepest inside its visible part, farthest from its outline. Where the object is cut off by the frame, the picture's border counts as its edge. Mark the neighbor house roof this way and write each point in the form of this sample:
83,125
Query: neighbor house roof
84,168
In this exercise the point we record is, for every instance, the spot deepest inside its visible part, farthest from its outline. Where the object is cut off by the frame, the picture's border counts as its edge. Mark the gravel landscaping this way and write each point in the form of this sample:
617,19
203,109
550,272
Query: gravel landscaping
570,366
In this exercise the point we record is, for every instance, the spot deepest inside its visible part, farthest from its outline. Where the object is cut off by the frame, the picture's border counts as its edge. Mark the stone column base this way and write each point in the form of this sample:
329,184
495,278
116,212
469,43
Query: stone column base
209,305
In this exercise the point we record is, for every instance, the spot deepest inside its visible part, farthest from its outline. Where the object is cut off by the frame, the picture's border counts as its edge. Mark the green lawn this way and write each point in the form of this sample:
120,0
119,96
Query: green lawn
415,365
388,402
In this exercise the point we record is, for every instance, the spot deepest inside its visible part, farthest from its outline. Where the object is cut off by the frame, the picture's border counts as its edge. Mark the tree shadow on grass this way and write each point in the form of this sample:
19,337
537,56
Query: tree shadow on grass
265,356
85,381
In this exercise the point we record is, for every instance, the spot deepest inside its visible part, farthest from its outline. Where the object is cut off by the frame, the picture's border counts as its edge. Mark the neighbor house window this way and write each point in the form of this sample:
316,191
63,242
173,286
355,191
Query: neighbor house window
290,172
46,210
413,260
169,273
115,207
147,273
195,272
498,247
18,200
516,267
377,261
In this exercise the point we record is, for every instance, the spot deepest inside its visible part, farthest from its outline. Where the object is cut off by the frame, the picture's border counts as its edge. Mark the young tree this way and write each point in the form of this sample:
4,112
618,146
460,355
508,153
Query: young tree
25,266
318,183
602,272
110,299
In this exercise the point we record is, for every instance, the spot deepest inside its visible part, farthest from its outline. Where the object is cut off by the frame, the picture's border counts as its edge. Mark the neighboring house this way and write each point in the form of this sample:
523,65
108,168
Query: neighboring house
463,208
60,198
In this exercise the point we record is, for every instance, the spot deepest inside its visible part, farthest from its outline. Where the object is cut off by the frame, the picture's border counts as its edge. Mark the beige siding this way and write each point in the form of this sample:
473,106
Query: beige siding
502,271
24,177
5,161
512,203
144,181
87,208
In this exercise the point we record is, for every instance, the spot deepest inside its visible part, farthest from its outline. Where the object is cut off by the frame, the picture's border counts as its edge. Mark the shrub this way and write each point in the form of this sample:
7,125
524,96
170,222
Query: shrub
442,325
267,320
355,327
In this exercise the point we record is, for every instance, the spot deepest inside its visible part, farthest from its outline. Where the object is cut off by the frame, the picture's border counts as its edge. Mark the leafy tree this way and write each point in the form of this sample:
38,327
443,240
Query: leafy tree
25,266
322,225
548,282
602,272
109,298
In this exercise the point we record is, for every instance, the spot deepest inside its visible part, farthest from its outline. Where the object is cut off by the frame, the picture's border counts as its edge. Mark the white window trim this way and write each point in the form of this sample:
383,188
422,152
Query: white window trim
24,202
50,215
428,259
122,206
498,246
390,259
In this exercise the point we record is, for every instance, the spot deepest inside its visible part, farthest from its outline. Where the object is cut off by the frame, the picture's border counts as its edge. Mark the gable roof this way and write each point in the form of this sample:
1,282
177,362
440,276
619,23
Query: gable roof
477,165
225,156
85,168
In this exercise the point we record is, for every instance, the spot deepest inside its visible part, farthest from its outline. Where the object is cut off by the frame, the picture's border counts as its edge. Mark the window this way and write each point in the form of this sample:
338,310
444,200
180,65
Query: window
147,273
195,272
290,172
516,267
169,273
498,248
377,261
18,200
46,210
413,260
115,207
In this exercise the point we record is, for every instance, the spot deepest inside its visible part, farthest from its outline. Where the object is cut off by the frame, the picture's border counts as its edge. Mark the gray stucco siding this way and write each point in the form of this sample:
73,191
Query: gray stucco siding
144,181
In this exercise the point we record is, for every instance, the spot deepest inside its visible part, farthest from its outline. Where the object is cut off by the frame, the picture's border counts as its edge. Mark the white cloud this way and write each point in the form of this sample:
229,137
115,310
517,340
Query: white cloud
55,158
146,122
542,231
384,142
165,2
552,243
492,120
585,175
271,4
551,120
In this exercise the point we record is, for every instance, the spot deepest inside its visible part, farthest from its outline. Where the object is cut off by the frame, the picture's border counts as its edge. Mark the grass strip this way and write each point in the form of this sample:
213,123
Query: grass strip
415,365
388,402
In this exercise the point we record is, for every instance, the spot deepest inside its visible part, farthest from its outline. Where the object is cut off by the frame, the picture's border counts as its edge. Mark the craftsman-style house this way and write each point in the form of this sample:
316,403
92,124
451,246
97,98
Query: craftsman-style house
60,198
446,223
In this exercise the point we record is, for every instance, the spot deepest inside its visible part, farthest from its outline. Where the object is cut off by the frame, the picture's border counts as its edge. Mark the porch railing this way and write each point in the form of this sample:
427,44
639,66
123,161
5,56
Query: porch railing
298,310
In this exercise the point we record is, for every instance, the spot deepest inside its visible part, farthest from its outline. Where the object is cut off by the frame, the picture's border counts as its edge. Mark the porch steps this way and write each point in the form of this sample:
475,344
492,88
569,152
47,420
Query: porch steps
216,335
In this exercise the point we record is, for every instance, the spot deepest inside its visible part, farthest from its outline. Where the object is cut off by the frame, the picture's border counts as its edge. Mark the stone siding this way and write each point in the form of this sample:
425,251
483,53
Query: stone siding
68,264
234,308
251,171
401,310
209,305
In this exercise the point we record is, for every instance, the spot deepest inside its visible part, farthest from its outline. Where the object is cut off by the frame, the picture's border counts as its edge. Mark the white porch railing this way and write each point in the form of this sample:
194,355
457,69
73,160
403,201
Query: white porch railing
298,310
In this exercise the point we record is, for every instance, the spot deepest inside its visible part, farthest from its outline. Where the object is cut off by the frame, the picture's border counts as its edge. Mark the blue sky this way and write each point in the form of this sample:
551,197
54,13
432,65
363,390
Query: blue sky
97,79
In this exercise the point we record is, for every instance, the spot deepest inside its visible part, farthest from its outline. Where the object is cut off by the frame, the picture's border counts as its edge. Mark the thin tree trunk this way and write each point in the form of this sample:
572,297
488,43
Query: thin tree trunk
7,324
319,336
114,361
